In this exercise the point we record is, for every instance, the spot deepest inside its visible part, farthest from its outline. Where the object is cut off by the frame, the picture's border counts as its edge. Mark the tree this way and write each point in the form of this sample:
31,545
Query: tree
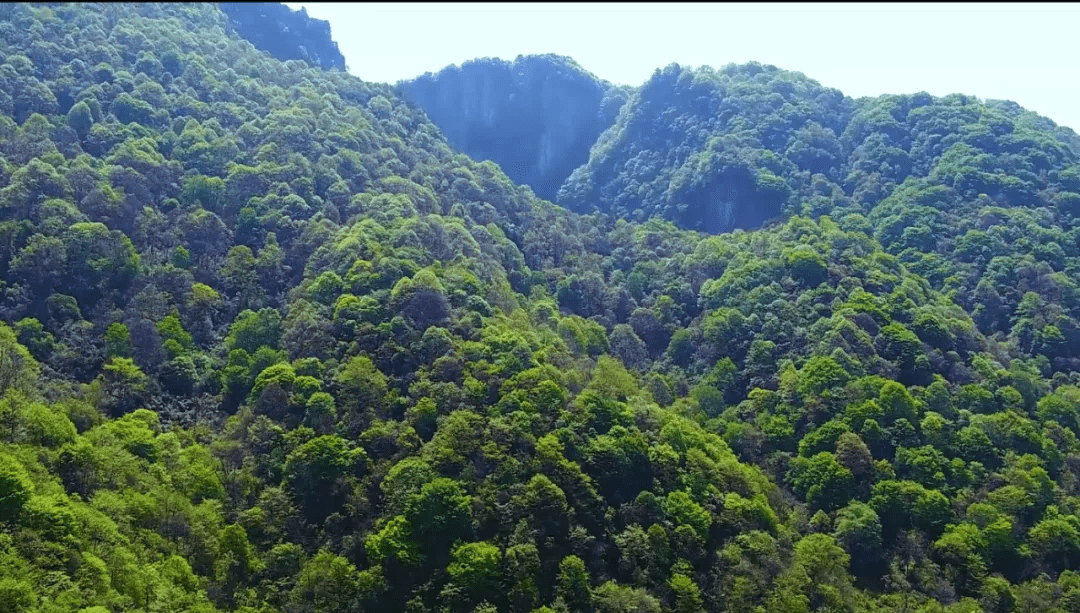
438,515
125,384
680,349
316,473
15,487
960,547
252,330
614,598
572,585
821,373
905,504
363,387
522,562
81,119
100,260
858,530
41,263
176,339
682,510
421,299
628,347
18,369
544,504
328,582
806,266
853,454
1056,543
117,341
822,481
240,277
235,563
825,563
475,573
687,594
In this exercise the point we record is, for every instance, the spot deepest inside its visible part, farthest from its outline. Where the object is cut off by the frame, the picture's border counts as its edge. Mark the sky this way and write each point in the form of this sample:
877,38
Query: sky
1021,52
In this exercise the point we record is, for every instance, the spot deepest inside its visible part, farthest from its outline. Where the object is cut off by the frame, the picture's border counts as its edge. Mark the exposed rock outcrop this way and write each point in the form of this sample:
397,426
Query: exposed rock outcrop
284,33
536,117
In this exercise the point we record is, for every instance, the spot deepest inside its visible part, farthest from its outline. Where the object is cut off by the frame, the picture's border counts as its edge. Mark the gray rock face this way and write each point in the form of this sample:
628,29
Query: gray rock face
284,33
536,117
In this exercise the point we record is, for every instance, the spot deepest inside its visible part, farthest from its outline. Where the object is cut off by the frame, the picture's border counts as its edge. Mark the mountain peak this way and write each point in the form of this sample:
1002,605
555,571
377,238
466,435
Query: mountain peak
536,116
284,33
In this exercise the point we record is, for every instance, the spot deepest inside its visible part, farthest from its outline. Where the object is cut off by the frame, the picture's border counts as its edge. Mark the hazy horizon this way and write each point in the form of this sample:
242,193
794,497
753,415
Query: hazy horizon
1019,52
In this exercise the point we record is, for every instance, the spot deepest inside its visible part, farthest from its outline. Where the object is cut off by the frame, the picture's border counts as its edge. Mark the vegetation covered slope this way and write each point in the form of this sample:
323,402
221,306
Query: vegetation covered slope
535,117
270,345
731,148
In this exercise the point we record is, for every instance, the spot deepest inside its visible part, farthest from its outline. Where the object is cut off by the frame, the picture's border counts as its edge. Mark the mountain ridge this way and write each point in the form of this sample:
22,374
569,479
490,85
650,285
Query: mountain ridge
284,33
268,342
546,107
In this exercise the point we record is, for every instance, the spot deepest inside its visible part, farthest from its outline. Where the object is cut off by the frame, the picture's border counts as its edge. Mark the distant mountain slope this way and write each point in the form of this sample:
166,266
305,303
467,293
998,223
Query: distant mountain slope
284,33
536,117
951,185
712,149
729,148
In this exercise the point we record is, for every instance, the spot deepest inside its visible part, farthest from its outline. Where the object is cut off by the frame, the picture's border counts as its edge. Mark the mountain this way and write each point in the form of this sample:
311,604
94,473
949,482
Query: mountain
742,146
535,117
268,342
284,33
713,150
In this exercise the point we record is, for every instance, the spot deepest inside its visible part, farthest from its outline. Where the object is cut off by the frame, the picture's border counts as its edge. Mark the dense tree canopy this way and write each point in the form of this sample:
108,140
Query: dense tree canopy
269,344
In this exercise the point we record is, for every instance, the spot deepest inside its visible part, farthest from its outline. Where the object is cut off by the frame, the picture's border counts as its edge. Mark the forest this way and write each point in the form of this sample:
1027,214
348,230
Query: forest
270,343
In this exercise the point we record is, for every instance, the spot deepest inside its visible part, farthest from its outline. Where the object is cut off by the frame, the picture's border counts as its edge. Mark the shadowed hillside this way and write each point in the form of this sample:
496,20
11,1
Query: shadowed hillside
284,33
269,343
536,116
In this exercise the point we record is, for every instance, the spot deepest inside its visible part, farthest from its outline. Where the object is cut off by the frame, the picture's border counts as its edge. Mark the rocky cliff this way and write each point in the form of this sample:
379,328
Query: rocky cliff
536,117
284,33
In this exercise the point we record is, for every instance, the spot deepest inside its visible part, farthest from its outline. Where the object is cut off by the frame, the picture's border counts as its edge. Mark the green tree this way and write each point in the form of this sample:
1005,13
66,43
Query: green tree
117,341
475,573
251,330
687,594
572,585
18,369
858,530
328,582
316,473
16,487
822,481
438,515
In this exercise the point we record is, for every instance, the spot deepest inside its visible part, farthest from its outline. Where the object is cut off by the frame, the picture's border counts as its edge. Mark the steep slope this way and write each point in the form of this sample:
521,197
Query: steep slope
535,117
950,185
268,344
284,33
712,150
730,148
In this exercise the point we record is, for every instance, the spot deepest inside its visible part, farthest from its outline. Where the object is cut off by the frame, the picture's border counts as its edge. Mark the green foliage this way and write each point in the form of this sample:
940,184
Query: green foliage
281,375
572,584
824,482
16,487
18,369
117,341
806,266
475,572
273,346
328,582
317,471
858,530
252,330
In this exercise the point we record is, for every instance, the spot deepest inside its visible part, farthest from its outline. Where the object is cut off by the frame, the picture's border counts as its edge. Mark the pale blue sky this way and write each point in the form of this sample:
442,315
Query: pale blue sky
1022,52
